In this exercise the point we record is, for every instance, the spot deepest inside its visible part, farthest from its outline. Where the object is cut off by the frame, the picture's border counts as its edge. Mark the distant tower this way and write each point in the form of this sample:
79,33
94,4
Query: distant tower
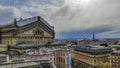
0,34
93,35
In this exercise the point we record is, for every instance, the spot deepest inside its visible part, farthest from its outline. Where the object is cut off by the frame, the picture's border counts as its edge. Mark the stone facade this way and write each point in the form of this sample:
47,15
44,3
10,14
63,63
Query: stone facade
115,59
33,30
88,58
61,58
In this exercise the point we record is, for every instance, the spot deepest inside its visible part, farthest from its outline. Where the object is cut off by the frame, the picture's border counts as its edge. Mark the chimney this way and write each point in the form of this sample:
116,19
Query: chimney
15,22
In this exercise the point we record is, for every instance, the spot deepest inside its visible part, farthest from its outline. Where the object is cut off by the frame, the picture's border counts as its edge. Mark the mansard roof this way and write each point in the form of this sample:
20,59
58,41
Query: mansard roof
23,22
26,21
34,19
94,50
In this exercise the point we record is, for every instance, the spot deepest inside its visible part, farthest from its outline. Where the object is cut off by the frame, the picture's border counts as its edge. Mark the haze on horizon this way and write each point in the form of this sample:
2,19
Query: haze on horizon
71,18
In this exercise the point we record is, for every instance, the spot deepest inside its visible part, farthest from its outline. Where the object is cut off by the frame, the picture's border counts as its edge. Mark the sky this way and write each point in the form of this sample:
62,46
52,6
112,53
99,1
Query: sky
72,19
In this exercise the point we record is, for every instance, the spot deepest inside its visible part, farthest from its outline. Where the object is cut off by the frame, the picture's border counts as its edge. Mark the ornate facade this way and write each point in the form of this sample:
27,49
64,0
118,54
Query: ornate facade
115,59
33,30
61,58
91,57
115,56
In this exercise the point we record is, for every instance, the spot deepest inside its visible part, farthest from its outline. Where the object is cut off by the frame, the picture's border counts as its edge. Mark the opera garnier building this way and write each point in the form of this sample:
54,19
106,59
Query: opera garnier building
35,31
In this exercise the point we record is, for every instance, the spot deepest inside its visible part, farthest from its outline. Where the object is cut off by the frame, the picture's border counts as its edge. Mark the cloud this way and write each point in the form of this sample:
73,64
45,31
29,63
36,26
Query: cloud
7,14
68,15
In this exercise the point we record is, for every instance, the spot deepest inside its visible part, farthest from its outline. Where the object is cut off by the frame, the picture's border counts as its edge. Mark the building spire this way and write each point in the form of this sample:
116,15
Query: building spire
15,20
93,35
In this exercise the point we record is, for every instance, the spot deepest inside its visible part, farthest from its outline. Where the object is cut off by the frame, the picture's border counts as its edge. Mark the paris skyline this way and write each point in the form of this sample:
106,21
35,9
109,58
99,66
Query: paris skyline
71,18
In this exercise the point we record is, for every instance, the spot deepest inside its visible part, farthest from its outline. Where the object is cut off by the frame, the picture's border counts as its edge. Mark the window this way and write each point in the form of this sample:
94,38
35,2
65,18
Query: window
38,32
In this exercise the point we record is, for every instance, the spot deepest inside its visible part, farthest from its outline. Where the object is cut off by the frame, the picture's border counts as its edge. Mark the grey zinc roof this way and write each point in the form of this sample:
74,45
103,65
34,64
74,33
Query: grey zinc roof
94,50
48,25
33,19
26,21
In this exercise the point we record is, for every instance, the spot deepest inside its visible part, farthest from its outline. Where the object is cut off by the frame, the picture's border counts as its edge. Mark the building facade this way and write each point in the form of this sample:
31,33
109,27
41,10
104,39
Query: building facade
61,58
27,64
33,30
115,59
91,57
115,56
3,58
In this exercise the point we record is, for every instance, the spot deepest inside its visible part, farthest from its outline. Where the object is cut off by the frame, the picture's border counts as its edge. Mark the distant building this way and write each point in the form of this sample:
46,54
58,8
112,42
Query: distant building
115,56
21,62
27,64
61,58
91,57
58,54
33,30
3,47
3,58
